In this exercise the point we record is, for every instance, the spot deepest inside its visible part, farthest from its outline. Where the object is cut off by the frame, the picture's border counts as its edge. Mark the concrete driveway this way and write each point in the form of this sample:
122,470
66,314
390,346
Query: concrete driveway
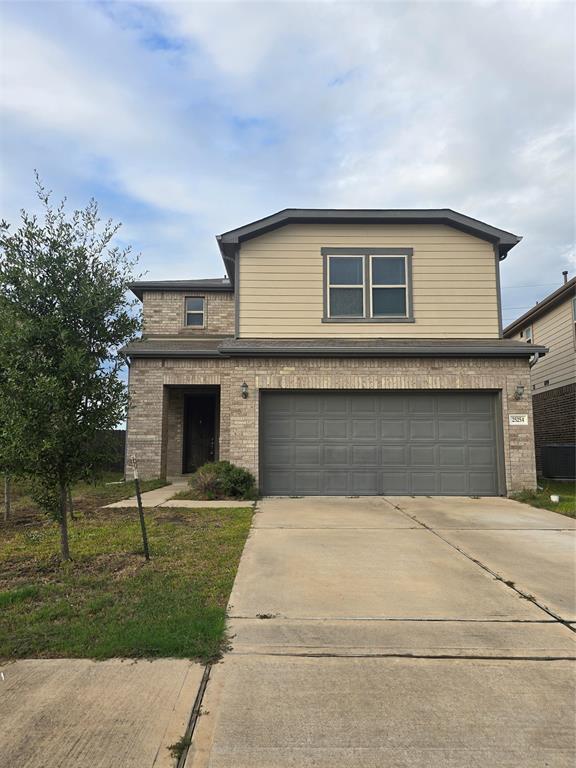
421,632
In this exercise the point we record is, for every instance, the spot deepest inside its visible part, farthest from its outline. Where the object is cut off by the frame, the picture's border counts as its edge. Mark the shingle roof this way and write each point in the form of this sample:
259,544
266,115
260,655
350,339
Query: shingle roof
163,347
208,284
229,347
378,347
548,303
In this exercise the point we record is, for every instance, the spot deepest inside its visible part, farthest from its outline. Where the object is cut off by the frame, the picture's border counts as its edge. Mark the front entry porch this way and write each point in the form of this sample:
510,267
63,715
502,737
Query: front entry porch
192,428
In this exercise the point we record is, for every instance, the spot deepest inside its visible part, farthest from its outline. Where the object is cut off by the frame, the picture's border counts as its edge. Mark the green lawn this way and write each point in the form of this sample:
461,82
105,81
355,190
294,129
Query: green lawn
541,499
108,601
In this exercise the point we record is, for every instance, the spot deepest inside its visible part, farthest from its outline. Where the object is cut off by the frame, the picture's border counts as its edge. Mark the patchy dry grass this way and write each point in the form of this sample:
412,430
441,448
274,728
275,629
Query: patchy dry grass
108,601
541,498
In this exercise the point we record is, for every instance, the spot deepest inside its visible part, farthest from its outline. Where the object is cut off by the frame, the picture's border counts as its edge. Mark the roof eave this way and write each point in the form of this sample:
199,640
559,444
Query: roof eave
546,305
355,352
229,241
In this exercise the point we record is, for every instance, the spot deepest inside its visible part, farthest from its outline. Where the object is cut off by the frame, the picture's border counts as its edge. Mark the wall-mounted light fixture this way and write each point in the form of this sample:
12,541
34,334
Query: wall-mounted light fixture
244,390
519,392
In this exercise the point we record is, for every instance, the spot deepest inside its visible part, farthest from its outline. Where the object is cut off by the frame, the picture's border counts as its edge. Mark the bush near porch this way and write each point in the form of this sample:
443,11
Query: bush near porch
220,480
108,601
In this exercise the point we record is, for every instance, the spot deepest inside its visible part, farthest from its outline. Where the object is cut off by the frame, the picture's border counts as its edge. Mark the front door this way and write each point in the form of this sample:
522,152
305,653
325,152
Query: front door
200,413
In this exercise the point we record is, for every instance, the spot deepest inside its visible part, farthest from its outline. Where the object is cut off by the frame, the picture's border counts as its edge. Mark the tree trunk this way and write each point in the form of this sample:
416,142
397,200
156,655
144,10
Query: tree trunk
70,506
7,497
64,548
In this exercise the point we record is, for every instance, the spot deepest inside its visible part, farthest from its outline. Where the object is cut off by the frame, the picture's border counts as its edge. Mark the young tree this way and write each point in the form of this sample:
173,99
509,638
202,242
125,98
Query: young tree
63,318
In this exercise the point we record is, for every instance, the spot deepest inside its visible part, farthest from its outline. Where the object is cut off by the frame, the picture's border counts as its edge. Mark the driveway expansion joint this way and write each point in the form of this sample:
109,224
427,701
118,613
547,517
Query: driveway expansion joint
507,582
194,715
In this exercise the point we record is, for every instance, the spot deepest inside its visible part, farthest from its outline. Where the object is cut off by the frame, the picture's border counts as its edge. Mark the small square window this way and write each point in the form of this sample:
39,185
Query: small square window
194,312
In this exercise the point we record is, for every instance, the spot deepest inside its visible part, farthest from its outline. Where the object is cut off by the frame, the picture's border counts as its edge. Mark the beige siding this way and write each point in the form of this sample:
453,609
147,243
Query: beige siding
554,330
163,313
454,282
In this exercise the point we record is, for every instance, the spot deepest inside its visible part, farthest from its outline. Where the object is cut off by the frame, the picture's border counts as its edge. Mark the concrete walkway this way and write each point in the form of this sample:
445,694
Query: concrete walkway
76,713
162,497
405,632
151,498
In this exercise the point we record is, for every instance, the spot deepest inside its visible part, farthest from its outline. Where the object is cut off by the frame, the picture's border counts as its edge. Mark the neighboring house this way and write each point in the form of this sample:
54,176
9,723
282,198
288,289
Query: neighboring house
347,352
552,322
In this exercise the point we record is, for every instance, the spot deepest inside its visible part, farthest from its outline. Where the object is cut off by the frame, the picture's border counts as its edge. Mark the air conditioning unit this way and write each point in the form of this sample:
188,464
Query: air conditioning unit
559,461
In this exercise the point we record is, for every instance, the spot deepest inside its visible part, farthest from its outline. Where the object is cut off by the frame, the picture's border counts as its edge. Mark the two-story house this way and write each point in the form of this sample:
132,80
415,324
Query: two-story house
348,352
552,323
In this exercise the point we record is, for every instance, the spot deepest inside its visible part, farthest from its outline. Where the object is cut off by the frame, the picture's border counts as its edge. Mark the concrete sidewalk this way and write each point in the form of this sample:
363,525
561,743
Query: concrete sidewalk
405,632
76,713
162,497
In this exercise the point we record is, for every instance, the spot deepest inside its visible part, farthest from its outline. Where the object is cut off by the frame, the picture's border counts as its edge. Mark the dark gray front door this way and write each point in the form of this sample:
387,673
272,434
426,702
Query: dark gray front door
371,443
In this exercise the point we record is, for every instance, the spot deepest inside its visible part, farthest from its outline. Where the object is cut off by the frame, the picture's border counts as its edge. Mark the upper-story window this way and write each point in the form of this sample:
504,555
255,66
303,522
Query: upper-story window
574,318
366,285
194,312
526,334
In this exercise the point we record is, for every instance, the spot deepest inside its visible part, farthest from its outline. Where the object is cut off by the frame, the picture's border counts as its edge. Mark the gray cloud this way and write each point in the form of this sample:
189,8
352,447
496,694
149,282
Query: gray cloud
186,119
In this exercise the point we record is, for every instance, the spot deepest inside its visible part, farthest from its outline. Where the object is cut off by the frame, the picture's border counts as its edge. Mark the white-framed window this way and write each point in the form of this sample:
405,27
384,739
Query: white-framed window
368,286
194,311
526,334
574,318
346,286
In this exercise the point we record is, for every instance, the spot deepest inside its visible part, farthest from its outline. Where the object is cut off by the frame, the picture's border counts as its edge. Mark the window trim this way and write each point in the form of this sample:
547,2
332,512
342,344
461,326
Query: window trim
362,285
528,328
367,253
195,312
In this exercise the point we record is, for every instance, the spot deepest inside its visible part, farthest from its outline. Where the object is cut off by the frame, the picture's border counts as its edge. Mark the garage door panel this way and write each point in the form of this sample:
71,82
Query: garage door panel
421,403
451,430
396,483
307,455
308,482
336,454
453,483
481,456
452,456
394,455
366,429
453,405
482,404
336,429
335,484
280,454
394,430
359,443
480,430
281,428
481,483
423,483
365,454
365,483
423,430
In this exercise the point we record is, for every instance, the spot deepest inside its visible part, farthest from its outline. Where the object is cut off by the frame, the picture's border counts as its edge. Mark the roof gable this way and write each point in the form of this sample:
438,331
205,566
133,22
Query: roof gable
230,241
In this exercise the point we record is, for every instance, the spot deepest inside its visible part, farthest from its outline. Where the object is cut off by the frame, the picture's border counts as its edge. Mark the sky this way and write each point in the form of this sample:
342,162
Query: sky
187,119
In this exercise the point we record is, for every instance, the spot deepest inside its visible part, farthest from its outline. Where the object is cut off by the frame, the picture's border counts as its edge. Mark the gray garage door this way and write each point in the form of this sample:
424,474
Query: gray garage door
370,443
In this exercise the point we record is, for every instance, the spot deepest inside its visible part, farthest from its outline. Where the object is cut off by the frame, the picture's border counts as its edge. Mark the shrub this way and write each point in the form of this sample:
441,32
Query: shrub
223,480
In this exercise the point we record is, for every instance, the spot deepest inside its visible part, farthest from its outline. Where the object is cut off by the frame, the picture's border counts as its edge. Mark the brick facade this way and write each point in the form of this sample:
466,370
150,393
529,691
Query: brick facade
163,313
554,418
156,390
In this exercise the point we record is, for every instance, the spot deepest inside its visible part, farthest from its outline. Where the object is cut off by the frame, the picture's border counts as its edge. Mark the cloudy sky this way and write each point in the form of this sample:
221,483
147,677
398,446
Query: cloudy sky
187,119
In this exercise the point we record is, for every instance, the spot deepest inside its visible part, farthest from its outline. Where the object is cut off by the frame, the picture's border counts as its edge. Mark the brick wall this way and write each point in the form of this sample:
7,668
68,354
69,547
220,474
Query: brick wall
554,418
163,313
154,431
